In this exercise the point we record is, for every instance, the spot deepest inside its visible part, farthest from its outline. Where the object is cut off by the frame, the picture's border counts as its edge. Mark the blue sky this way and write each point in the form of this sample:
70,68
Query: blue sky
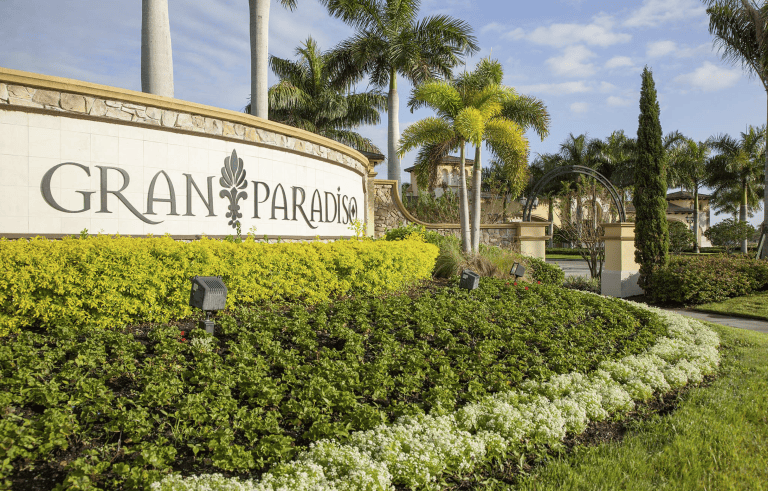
582,58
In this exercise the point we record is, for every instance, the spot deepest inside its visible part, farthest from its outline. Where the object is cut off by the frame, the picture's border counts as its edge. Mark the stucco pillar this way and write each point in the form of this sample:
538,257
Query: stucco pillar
156,59
620,271
533,237
370,203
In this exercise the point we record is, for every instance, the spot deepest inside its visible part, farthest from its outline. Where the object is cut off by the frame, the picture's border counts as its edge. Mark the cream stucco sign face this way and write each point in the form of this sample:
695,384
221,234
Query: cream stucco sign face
63,175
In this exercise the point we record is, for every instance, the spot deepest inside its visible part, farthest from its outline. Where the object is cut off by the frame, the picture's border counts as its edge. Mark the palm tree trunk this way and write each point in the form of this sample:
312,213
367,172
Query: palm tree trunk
156,55
696,219
743,213
551,227
259,27
463,203
765,191
476,195
393,136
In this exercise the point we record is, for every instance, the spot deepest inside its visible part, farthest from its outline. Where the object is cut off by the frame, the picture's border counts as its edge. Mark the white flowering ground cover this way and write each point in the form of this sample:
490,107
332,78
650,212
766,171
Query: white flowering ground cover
415,451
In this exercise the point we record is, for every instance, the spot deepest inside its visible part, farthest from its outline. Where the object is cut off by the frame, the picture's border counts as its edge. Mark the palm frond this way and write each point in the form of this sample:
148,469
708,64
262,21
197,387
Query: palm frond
425,132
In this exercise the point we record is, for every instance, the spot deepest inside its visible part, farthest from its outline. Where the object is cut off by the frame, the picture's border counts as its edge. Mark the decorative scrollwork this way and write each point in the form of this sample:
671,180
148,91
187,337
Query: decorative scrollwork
232,180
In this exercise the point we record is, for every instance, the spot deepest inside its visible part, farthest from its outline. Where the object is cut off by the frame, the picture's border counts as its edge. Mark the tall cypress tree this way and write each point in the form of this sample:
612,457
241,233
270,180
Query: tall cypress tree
649,198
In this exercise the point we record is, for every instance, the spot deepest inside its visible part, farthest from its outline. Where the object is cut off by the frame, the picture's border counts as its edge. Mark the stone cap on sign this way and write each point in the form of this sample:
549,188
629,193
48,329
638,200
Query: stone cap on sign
34,92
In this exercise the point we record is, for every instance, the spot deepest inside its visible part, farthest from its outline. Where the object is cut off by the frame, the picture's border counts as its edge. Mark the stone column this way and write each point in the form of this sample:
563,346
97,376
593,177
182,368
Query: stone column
156,60
532,237
620,271
370,203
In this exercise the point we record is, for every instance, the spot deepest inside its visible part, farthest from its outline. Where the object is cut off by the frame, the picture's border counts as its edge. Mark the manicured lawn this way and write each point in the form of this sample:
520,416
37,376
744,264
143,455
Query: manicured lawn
752,306
715,440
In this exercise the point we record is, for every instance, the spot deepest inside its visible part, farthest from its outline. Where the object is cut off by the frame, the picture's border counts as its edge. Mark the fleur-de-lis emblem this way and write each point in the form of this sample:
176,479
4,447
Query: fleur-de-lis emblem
232,179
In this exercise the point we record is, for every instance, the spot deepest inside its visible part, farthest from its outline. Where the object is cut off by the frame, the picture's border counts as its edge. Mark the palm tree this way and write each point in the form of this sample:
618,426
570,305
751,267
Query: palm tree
503,131
473,109
438,136
156,54
618,161
389,41
688,171
739,163
259,30
314,95
739,27
541,165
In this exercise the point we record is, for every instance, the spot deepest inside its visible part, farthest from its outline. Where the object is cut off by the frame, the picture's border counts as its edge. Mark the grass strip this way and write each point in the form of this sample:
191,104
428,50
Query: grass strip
750,306
715,440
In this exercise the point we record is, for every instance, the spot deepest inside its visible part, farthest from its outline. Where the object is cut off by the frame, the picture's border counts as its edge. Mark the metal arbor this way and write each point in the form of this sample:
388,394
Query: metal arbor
578,169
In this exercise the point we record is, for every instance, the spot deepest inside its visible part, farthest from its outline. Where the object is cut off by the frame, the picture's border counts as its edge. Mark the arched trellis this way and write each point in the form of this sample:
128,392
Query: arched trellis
569,169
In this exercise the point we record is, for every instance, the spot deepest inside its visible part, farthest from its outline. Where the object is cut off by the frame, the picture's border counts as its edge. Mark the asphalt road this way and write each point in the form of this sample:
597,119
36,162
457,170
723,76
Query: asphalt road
572,267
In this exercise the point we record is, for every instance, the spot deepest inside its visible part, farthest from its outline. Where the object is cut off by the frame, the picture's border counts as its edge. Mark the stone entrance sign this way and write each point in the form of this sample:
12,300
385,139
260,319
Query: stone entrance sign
69,164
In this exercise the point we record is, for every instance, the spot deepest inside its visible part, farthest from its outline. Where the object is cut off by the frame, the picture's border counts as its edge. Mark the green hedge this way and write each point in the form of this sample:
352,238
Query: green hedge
112,281
565,251
701,279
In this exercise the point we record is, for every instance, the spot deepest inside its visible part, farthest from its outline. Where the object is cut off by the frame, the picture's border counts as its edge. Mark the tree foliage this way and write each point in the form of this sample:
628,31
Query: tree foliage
680,236
649,198
730,233
314,94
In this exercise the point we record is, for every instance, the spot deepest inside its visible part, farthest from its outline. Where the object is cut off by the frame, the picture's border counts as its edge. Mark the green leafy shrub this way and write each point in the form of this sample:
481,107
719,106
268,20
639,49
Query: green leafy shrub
548,274
729,233
118,409
405,231
582,283
680,236
566,251
112,281
701,279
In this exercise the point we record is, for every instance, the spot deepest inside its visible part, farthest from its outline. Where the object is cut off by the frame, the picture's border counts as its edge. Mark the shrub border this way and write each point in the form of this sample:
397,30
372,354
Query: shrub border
415,451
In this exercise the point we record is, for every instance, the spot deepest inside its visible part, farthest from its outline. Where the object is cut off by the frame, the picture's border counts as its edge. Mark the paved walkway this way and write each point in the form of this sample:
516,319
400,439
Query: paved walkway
739,322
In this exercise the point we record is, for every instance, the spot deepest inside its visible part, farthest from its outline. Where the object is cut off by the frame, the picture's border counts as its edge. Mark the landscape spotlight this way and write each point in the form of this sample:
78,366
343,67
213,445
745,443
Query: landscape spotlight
469,280
209,294
518,270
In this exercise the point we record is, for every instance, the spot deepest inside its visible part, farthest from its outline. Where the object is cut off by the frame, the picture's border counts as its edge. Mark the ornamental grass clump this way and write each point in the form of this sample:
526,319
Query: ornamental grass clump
415,451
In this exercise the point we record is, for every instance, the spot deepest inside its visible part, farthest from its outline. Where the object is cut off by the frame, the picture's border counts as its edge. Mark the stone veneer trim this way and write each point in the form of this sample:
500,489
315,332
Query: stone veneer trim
220,123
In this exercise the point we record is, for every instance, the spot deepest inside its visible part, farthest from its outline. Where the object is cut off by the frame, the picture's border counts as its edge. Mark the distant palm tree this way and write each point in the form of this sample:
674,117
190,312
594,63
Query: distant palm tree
313,95
473,109
740,28
688,170
259,30
389,40
541,165
738,164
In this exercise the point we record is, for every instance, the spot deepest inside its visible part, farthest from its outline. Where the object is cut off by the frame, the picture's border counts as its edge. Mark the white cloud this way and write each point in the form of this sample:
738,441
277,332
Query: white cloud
709,77
579,107
660,48
618,101
561,88
598,33
517,33
573,62
492,27
618,62
606,87
656,12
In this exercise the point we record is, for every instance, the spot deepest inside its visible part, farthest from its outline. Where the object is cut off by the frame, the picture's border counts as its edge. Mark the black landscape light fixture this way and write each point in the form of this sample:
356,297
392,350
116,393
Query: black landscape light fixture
469,280
209,294
518,270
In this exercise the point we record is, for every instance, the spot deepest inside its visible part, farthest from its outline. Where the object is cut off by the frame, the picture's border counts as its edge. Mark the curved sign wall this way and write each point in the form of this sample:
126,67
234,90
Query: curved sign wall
61,175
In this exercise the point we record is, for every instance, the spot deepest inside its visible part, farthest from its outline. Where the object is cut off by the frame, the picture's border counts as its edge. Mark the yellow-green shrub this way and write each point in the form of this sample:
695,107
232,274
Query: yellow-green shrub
111,281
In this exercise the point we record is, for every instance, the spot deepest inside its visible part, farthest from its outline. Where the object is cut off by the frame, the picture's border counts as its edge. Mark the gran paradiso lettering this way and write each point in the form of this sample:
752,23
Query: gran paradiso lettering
313,210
